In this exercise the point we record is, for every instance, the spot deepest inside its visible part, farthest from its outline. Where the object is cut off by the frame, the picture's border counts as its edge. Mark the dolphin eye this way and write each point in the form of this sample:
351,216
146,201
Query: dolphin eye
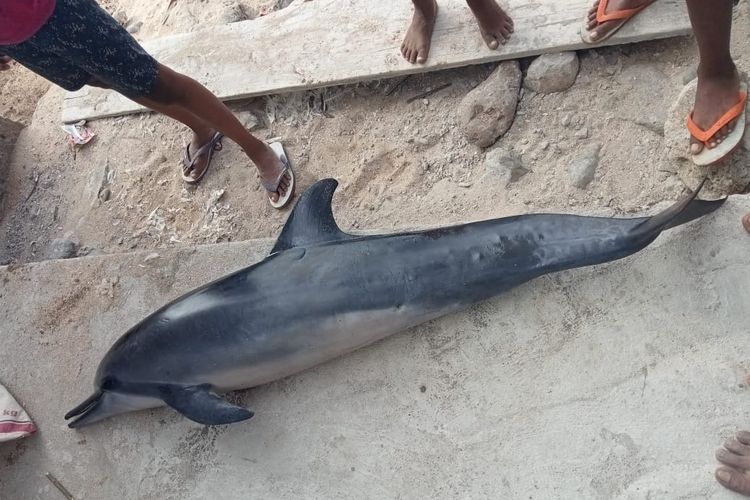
108,384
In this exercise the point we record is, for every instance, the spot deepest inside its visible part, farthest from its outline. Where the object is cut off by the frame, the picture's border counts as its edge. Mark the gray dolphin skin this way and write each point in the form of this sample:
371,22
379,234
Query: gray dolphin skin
323,293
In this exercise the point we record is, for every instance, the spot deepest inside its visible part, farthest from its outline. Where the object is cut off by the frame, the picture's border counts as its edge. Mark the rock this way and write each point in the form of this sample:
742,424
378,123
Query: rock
504,165
150,257
582,168
250,120
582,134
62,248
134,27
487,112
728,177
550,73
104,194
565,120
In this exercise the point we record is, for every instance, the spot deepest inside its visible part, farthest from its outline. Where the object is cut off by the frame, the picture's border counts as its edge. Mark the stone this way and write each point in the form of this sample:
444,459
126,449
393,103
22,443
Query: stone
551,73
583,167
487,112
731,175
62,248
582,134
134,27
505,165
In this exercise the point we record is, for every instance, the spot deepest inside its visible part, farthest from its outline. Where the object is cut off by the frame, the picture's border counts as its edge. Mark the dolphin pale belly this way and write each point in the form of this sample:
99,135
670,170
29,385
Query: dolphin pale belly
322,293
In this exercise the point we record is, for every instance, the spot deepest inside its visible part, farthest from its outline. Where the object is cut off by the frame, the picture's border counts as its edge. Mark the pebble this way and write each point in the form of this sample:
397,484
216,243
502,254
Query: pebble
104,194
487,112
150,257
134,27
582,134
582,168
565,120
61,248
504,165
551,73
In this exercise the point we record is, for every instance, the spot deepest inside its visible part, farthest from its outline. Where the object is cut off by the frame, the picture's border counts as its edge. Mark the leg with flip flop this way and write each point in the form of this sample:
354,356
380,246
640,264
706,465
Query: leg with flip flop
717,122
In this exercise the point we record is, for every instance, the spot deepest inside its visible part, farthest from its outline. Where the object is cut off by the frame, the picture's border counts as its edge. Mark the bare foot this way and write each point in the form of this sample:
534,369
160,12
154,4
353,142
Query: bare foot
746,222
735,455
597,30
270,167
494,24
715,95
416,46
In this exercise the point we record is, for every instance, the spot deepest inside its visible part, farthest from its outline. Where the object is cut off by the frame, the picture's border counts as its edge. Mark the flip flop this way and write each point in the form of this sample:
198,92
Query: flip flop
602,16
724,148
278,148
188,160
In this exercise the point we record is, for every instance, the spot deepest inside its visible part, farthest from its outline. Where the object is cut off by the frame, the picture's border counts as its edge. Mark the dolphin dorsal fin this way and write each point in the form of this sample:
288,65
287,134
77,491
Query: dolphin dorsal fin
312,220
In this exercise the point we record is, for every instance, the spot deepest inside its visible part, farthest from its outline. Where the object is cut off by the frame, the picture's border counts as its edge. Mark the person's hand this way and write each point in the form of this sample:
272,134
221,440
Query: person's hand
5,63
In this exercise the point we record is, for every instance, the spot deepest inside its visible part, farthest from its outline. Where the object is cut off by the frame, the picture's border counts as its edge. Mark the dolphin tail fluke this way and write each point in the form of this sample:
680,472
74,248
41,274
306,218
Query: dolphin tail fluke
682,212
200,404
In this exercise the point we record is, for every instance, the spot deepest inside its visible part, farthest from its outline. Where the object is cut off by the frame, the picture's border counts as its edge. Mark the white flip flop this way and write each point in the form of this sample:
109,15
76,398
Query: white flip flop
278,148
727,146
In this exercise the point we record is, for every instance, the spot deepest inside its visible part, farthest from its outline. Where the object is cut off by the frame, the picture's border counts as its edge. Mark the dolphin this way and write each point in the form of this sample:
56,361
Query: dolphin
322,293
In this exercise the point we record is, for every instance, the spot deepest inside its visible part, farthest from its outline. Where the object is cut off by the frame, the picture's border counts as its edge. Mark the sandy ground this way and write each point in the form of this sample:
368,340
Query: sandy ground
399,164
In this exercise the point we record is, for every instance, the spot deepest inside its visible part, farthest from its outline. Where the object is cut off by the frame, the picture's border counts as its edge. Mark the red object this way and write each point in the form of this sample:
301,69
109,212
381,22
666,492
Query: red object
21,19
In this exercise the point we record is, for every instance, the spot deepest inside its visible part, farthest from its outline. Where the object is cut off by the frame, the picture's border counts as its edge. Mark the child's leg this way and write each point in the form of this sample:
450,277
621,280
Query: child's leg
718,81
81,43
189,102
494,24
416,46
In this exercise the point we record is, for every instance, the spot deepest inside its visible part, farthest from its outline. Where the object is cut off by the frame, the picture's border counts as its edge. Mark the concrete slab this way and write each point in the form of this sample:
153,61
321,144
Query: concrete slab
327,42
611,382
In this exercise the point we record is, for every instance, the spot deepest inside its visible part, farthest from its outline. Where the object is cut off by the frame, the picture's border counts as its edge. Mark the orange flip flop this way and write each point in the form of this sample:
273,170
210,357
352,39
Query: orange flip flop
710,156
602,16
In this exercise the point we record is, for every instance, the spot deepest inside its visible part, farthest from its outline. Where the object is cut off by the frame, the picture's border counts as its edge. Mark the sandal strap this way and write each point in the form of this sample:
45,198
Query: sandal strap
188,160
705,135
272,187
602,16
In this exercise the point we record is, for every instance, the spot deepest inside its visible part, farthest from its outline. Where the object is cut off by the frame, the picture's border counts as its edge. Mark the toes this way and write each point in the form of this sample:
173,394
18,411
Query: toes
736,447
490,40
743,436
734,480
695,146
422,56
732,460
746,225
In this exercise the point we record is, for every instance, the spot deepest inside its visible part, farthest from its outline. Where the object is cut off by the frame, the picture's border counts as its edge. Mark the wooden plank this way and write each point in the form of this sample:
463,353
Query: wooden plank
320,43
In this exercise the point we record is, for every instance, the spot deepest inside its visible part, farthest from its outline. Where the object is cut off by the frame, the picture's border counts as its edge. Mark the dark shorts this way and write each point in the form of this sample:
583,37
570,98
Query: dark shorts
80,41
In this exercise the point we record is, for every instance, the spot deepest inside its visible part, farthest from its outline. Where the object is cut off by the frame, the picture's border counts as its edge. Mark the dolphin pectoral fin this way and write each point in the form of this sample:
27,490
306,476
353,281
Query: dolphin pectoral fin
200,404
312,220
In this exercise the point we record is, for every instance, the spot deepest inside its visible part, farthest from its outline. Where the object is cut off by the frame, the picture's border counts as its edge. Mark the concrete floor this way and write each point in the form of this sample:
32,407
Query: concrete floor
617,381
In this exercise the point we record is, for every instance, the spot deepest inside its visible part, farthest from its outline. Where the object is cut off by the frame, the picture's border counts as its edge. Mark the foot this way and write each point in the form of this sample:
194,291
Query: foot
715,95
597,30
201,163
494,24
746,222
270,167
735,455
416,46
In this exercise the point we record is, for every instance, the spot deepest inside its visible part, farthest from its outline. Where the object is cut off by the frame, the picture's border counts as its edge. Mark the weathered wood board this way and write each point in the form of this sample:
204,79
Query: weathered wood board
320,43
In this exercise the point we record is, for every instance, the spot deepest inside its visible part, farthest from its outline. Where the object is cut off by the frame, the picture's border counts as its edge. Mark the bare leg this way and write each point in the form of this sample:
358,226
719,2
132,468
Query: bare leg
735,455
494,24
746,222
416,45
189,102
718,81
